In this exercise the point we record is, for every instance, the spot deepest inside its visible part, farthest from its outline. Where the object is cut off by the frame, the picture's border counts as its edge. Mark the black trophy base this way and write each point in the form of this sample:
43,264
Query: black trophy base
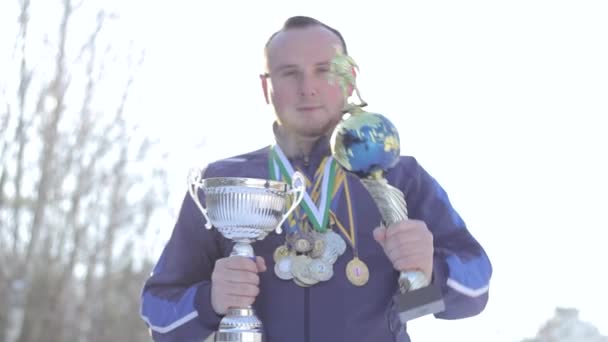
417,303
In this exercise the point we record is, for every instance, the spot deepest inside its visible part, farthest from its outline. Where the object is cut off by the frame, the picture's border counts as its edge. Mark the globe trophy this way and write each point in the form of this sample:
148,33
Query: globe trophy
244,210
367,144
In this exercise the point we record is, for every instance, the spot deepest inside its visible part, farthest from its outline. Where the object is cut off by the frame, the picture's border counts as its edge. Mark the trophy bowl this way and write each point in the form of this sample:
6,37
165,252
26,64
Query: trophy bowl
244,210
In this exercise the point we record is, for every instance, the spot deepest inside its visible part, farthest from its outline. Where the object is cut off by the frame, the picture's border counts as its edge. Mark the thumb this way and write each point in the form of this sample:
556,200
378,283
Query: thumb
380,235
261,264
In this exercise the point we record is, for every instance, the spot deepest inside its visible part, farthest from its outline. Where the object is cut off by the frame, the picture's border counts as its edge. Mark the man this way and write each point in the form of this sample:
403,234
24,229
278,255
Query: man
194,281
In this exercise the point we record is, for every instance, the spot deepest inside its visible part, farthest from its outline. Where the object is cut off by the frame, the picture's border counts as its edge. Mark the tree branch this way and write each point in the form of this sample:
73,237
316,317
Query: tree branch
50,133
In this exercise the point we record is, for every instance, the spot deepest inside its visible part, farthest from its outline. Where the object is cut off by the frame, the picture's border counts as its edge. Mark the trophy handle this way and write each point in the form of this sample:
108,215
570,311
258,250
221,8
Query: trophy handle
298,184
194,182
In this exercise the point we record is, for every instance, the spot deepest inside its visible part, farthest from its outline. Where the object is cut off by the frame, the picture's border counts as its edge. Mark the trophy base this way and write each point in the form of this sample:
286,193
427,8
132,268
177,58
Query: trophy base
417,303
240,325
241,336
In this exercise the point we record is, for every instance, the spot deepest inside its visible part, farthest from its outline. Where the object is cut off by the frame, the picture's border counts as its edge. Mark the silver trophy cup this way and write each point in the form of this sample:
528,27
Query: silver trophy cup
244,210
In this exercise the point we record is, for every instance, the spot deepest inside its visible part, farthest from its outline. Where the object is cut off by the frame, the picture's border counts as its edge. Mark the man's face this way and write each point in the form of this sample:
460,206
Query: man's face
298,62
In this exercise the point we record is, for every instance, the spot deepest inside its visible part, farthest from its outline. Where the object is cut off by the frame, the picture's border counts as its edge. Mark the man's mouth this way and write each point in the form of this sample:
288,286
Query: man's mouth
309,108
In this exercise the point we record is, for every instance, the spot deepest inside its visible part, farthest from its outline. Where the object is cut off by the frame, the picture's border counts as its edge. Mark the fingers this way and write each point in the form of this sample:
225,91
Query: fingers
238,269
240,302
261,264
236,276
238,263
240,289
407,263
380,235
235,282
407,227
407,244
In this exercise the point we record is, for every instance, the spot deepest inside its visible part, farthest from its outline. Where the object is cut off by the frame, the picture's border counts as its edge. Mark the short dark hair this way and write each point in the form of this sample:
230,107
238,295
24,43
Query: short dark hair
303,22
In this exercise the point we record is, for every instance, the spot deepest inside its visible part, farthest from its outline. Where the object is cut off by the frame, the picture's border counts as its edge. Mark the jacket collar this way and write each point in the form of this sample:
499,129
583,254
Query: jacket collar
321,149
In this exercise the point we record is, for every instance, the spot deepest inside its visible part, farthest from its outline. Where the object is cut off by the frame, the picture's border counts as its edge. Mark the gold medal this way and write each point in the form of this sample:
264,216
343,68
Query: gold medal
318,248
279,253
302,245
357,272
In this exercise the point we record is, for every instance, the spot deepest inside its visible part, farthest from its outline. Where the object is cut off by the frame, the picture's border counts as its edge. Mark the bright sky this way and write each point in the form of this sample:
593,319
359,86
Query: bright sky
500,101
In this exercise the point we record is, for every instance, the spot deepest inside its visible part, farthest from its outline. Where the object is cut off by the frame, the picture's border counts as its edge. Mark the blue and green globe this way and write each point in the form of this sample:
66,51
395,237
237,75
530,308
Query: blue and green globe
366,143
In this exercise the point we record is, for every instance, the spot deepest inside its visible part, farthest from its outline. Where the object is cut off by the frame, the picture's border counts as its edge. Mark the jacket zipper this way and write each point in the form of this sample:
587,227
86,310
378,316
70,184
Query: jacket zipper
307,170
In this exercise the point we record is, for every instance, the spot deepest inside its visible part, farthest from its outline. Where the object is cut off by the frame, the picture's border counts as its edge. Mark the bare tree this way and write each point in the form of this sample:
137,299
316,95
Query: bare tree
78,189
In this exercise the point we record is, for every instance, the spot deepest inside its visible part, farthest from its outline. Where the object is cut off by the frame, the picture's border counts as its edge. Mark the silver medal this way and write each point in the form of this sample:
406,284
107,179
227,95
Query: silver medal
283,268
334,247
320,270
301,271
337,241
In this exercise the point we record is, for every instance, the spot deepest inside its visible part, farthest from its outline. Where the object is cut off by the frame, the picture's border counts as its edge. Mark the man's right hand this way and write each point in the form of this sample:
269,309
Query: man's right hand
235,282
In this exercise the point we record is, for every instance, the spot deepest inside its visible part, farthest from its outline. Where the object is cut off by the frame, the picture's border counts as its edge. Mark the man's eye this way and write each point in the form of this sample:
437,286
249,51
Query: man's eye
289,73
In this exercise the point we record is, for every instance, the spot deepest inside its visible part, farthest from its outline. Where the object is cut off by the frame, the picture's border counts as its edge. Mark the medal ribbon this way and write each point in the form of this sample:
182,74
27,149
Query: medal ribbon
349,234
318,216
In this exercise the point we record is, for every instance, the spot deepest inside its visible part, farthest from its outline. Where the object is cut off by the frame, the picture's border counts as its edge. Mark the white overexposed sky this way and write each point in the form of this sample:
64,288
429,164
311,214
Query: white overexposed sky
503,102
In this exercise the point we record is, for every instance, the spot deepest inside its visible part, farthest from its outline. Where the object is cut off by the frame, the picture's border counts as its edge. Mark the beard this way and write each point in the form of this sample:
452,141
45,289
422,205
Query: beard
310,125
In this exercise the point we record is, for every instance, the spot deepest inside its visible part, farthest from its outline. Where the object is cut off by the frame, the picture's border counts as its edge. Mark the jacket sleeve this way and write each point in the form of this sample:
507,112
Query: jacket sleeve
176,298
462,269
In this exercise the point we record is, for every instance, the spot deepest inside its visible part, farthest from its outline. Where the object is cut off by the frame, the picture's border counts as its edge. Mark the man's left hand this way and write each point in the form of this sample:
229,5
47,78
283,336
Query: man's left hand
408,245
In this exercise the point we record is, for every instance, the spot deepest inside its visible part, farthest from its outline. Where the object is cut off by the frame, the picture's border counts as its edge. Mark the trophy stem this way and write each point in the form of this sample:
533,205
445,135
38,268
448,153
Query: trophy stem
240,324
244,249
393,208
417,297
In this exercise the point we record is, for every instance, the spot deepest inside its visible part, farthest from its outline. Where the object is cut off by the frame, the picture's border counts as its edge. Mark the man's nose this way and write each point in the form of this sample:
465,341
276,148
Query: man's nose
308,85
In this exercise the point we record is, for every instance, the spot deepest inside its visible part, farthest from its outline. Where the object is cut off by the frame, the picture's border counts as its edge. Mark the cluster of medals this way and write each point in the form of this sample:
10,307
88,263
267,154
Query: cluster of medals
308,256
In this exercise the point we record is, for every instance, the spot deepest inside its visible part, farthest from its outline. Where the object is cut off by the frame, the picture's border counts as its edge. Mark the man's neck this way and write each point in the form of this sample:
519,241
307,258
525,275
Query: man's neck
293,145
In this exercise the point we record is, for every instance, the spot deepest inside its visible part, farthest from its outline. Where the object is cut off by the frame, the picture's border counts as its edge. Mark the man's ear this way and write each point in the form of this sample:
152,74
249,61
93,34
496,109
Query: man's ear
264,80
